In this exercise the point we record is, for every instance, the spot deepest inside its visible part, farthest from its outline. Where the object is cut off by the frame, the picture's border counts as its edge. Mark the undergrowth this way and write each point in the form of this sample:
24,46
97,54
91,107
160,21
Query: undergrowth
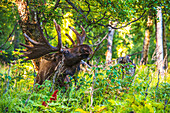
99,89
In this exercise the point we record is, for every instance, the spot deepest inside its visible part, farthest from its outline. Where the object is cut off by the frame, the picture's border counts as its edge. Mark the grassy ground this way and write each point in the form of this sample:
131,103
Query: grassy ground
101,89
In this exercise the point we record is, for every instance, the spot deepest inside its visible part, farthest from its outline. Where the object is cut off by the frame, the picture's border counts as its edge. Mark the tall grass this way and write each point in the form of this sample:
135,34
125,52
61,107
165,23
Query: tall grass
100,89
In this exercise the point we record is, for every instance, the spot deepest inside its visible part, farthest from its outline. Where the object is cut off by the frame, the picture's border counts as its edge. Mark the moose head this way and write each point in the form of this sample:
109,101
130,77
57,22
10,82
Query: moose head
51,57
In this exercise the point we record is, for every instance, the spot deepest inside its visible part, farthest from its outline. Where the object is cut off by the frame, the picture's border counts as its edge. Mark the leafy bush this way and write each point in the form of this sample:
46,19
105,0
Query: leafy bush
101,89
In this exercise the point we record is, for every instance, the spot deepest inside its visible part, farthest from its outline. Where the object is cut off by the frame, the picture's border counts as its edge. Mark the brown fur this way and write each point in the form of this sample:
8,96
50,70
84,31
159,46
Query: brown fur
71,61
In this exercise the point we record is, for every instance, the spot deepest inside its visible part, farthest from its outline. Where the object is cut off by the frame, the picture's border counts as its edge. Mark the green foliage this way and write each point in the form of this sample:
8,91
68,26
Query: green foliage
8,14
92,15
111,93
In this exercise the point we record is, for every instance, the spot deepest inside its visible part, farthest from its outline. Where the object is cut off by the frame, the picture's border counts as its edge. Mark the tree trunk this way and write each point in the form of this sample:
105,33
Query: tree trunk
159,42
29,22
146,42
110,41
165,47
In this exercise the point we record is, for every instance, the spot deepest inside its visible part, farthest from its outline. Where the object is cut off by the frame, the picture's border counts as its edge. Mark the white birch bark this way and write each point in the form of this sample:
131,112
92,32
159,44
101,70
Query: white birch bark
159,43
110,42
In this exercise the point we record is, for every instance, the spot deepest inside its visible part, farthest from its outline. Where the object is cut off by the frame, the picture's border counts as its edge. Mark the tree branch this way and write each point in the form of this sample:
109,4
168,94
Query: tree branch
88,7
124,25
56,5
69,2
134,53
74,7
98,47
9,35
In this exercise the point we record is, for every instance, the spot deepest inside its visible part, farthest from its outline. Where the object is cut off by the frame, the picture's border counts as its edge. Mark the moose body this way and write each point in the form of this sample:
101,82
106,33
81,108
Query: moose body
71,63
48,67
65,61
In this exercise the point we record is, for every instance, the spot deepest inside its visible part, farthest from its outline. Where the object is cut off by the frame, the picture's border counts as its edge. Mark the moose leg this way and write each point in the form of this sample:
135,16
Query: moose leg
63,81
39,79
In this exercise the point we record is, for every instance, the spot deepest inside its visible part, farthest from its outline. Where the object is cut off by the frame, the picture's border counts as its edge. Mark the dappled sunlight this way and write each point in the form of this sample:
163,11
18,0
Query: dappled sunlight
40,74
121,50
67,21
126,43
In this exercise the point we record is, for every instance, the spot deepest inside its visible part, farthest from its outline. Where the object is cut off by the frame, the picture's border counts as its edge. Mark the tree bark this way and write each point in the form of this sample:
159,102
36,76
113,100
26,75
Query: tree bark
29,24
159,43
165,47
146,42
110,41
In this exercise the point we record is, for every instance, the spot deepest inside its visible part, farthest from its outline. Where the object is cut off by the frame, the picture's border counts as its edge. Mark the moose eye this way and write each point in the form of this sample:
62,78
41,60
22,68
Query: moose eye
84,50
